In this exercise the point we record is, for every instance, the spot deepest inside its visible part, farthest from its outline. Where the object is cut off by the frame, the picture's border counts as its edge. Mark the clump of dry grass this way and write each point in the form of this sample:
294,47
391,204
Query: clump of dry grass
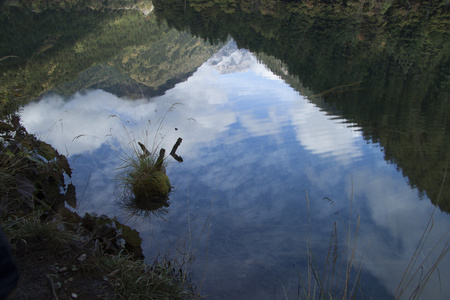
143,183
144,174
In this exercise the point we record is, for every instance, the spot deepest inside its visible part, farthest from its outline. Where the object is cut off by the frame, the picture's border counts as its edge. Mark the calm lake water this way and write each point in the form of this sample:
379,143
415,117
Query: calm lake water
268,169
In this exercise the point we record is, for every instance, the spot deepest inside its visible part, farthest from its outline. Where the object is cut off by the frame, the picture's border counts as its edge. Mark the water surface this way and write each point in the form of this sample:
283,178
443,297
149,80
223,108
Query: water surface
265,171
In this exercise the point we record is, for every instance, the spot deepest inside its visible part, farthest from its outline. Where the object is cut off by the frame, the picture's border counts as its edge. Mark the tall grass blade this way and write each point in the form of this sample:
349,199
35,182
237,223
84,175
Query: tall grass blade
411,272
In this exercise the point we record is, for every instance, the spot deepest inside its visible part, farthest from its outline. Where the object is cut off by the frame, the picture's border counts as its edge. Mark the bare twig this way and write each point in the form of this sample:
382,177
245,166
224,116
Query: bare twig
55,297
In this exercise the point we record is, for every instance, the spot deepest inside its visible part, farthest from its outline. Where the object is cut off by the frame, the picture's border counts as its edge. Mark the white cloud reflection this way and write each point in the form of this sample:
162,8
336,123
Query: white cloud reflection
402,224
87,115
393,219
325,135
258,101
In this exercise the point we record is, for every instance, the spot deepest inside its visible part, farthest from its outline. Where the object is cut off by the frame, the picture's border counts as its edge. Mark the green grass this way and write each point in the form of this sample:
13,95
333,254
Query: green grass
31,228
7,180
10,163
133,279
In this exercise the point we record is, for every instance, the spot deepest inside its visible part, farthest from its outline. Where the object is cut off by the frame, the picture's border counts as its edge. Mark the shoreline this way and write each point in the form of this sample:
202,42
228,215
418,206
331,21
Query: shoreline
60,254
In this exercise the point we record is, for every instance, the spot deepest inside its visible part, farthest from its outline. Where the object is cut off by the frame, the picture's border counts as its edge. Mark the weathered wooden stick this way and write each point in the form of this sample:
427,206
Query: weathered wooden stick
174,149
144,149
160,160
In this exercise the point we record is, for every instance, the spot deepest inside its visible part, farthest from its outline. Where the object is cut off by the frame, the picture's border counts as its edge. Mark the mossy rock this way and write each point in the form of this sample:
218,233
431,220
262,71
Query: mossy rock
154,186
132,239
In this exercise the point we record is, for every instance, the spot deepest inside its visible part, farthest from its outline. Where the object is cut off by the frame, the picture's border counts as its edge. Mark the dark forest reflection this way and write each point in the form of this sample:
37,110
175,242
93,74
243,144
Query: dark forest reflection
386,68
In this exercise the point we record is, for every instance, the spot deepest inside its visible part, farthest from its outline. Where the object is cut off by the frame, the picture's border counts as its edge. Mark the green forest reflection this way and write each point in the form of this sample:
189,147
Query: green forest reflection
384,65
66,47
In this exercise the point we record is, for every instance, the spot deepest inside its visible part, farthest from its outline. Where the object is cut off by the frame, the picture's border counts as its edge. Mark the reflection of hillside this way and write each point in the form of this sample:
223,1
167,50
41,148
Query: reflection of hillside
122,51
145,71
386,68
109,79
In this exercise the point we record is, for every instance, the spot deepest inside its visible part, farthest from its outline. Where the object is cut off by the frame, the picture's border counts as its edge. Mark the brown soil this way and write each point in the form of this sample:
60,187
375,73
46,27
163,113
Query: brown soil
49,272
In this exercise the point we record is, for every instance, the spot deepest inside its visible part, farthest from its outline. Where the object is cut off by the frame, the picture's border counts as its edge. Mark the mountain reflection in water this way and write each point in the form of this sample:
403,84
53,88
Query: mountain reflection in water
252,146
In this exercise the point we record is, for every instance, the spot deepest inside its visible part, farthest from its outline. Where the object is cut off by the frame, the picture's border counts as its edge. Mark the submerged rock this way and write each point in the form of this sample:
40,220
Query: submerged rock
112,236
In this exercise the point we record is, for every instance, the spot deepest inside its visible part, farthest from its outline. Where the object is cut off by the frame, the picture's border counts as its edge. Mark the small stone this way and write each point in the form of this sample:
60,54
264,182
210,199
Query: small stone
82,257
74,296
97,246
63,269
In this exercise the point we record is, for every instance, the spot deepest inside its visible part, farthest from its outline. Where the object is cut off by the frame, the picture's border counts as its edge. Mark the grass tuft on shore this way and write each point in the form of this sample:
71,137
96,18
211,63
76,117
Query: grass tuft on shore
133,279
